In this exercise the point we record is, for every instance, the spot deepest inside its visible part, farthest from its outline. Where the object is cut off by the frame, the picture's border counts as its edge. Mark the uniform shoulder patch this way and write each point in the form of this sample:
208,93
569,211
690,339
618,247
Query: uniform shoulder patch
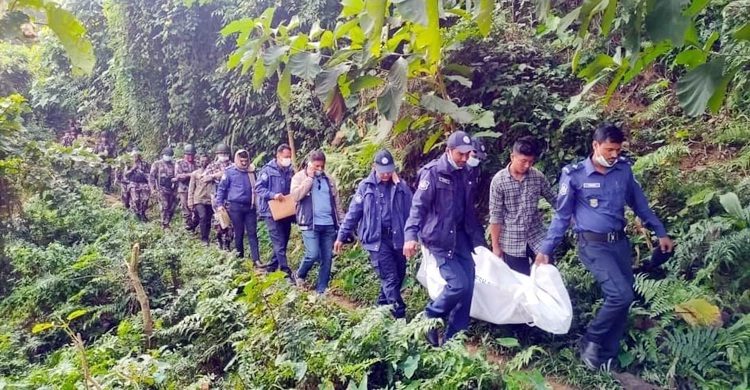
572,167
358,198
263,176
423,185
563,189
223,176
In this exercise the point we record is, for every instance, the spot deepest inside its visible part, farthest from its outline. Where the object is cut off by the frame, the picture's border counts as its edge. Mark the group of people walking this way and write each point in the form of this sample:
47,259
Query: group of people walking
391,219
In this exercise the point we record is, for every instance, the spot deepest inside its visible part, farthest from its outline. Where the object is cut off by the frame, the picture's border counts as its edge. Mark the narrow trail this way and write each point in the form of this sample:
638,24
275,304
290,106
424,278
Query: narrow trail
627,380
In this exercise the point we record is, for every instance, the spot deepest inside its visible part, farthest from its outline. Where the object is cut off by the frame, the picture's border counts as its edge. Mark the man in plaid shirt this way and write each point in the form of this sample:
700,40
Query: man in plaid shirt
213,174
516,224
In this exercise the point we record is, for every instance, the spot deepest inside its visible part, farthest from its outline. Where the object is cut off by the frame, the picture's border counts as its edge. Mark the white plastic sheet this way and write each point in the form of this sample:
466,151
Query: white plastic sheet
503,296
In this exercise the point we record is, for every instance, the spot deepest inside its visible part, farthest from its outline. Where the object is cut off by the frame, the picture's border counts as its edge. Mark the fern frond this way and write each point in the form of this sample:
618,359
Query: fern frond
584,116
735,134
659,157
655,109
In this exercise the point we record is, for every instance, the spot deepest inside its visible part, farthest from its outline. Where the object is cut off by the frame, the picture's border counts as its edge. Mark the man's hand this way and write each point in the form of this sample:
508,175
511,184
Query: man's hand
498,251
410,248
666,244
541,258
278,197
174,180
337,247
310,171
207,179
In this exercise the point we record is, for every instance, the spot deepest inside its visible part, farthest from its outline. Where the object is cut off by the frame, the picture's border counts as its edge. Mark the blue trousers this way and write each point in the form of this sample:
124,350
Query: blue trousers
610,263
279,232
318,247
455,300
244,218
390,265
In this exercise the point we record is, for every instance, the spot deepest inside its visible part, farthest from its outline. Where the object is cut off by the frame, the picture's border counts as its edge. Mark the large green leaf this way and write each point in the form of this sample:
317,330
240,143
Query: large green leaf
259,73
366,82
328,81
273,54
72,36
697,86
691,58
446,107
414,11
373,23
731,203
589,9
600,63
609,16
72,316
284,90
305,65
389,102
352,7
665,20
484,16
717,99
241,25
743,33
432,35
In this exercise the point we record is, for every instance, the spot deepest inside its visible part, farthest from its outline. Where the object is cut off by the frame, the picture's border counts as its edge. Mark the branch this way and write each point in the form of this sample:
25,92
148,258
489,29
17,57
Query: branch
140,294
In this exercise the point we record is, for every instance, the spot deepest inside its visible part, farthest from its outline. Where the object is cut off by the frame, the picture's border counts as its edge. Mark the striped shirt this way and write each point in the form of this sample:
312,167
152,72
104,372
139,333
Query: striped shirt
514,205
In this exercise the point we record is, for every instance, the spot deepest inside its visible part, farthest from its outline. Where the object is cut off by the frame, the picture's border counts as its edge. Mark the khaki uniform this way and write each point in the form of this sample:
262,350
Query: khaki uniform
162,182
216,170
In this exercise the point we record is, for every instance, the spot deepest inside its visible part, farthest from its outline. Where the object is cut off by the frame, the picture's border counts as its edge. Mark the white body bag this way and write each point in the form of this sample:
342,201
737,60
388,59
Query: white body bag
503,296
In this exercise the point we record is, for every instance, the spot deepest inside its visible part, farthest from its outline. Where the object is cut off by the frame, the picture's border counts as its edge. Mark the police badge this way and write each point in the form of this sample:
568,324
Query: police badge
593,202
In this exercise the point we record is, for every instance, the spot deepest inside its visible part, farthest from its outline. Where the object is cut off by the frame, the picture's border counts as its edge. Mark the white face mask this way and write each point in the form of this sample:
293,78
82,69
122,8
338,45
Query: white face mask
223,158
453,163
602,161
166,158
473,162
285,162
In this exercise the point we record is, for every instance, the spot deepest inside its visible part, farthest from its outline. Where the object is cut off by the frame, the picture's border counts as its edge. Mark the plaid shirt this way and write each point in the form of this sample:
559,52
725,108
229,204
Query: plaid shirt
215,169
515,206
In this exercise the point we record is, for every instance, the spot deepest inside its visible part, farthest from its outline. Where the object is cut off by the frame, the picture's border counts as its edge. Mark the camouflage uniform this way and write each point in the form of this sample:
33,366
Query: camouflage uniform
67,140
122,182
140,192
185,168
215,170
163,181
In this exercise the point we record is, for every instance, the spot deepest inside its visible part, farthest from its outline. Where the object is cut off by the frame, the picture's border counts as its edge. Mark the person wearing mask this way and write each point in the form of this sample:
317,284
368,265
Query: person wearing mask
212,174
236,192
516,224
183,172
137,178
275,181
594,193
380,208
317,216
199,198
163,182
443,218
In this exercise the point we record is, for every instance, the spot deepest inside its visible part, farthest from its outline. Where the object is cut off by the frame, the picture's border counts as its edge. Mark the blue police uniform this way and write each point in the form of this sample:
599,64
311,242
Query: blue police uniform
380,210
596,202
236,191
443,218
275,179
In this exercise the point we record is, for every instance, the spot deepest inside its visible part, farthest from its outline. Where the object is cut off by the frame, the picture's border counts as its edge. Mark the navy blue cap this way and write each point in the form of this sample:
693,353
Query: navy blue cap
460,140
480,149
384,162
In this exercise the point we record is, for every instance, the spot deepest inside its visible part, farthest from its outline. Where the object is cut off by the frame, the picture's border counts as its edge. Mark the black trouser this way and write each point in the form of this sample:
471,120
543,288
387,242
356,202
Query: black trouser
522,264
244,217
390,265
205,213
279,232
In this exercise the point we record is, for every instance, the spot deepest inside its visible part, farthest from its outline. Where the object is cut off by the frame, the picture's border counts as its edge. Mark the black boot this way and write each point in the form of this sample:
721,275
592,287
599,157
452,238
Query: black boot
589,351
432,337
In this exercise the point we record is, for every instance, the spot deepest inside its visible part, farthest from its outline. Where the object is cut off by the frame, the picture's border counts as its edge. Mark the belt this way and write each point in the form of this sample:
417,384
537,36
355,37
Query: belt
603,237
250,205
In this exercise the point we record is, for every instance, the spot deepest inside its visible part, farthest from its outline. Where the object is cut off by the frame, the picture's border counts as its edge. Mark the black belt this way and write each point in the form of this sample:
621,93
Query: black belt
603,237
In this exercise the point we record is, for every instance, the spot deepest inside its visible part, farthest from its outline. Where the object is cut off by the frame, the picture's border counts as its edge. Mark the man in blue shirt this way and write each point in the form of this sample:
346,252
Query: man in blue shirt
275,181
594,193
317,217
236,192
380,208
443,218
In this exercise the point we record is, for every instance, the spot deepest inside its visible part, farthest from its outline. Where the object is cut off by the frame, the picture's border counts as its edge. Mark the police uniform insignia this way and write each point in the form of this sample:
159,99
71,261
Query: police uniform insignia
594,202
592,185
566,170
423,185
263,176
223,177
358,198
384,160
444,180
564,189
467,140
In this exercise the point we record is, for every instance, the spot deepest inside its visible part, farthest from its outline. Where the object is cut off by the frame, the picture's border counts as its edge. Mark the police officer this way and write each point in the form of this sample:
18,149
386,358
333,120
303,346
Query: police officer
594,193
444,219
380,208
185,167
275,181
163,182
236,192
